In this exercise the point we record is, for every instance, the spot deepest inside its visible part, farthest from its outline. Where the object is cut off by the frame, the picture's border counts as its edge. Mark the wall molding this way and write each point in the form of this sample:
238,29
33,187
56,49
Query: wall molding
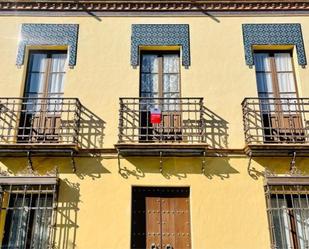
164,5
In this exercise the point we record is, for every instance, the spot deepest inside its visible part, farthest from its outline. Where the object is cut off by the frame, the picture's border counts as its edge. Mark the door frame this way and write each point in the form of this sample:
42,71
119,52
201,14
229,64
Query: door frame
145,187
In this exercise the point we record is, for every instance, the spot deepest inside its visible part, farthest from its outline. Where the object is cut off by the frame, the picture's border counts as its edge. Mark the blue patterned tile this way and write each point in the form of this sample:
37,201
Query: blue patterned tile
48,34
160,35
273,34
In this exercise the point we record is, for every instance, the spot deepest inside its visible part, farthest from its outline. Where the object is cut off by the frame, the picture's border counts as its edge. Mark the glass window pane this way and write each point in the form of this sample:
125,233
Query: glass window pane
149,83
58,62
16,222
56,83
283,62
266,105
36,82
42,219
171,63
280,219
38,62
171,95
288,103
286,82
264,82
150,63
302,220
261,62
170,83
172,103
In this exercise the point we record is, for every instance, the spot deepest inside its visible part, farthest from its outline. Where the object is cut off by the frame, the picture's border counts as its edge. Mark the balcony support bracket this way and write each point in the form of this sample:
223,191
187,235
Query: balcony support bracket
29,164
161,163
204,162
252,171
250,159
293,168
73,162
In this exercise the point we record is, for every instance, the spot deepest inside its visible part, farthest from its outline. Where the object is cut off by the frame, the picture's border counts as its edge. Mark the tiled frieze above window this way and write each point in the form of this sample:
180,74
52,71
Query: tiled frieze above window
160,35
48,34
273,34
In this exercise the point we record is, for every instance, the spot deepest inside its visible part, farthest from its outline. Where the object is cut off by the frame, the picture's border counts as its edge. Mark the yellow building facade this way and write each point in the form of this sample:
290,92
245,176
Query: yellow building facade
154,125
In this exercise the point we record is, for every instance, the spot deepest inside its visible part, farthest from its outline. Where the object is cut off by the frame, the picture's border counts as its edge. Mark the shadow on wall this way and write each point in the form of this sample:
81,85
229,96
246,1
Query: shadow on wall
216,129
66,215
279,166
85,167
91,130
176,167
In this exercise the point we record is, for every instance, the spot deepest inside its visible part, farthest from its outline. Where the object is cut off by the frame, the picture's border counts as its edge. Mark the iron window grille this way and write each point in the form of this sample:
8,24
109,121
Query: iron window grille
288,215
27,216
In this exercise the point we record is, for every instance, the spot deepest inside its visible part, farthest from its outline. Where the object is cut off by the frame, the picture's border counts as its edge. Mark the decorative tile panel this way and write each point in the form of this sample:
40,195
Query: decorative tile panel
48,34
273,34
160,35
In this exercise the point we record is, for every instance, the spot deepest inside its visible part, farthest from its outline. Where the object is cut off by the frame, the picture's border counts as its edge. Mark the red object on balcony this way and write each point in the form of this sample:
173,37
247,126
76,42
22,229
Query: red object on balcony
155,116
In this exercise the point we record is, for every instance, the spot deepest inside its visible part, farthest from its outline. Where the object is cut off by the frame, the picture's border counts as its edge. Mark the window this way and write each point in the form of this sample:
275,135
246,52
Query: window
26,215
160,90
277,90
288,212
160,75
40,119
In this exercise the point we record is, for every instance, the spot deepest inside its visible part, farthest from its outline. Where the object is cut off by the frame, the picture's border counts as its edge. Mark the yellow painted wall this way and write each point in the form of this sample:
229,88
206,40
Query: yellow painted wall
228,208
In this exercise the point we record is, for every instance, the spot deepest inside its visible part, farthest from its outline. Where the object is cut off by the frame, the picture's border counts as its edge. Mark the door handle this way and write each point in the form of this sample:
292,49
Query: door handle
168,246
153,246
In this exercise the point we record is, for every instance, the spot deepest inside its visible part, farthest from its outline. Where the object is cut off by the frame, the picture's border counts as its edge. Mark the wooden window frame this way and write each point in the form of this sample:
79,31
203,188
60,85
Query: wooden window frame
38,129
160,54
49,53
277,126
273,70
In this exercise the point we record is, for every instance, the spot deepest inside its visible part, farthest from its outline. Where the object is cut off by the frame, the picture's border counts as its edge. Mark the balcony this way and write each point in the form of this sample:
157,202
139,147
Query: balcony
161,126
276,126
45,125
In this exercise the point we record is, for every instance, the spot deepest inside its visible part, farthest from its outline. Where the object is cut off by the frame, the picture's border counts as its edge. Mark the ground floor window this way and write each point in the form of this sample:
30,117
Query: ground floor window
26,215
288,213
160,218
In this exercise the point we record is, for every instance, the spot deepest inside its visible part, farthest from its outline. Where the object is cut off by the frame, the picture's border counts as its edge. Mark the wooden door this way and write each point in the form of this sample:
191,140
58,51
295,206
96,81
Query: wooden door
175,222
41,114
160,80
280,109
153,222
164,221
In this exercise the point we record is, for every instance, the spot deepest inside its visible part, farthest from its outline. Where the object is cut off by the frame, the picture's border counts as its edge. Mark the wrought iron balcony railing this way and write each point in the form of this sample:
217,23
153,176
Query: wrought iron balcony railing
276,120
163,120
39,120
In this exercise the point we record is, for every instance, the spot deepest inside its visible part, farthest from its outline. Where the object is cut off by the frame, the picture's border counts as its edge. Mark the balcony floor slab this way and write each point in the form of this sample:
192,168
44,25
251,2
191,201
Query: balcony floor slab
276,150
163,149
37,149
